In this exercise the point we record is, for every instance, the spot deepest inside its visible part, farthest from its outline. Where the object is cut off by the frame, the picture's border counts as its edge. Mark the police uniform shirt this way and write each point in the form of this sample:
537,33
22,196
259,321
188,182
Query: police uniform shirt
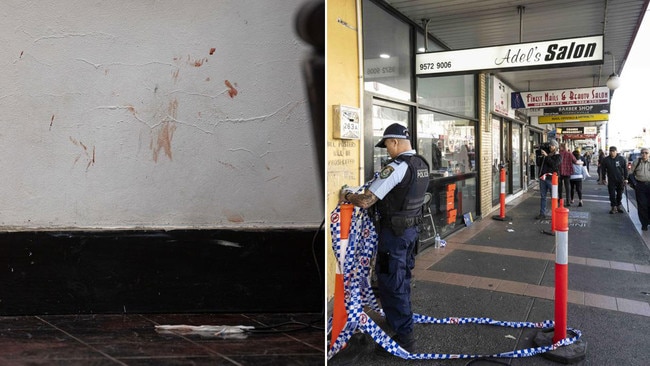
390,176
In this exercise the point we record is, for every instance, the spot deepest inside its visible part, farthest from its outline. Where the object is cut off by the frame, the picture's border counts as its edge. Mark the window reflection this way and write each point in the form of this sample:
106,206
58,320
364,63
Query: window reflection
386,51
383,117
447,142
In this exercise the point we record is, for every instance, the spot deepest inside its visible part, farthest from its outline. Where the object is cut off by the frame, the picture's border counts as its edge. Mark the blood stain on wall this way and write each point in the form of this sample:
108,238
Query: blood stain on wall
227,164
211,51
195,62
164,133
233,216
89,156
232,92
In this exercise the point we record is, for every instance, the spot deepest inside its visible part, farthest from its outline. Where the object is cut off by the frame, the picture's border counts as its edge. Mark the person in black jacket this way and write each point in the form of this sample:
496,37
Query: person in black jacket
548,163
615,172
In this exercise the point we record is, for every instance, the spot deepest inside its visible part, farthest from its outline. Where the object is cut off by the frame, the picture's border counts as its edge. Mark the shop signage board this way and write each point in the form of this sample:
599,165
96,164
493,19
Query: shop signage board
560,97
501,97
573,118
578,133
555,53
589,130
581,109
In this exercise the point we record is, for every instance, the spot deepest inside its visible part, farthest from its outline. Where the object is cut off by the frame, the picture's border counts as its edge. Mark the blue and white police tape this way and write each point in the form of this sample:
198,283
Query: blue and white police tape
356,264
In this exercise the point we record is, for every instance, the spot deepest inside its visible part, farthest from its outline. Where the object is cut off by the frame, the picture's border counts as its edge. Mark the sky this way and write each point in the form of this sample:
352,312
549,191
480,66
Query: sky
631,101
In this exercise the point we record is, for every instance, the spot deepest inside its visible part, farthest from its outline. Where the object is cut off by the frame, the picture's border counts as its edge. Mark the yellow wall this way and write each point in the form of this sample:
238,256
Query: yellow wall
343,79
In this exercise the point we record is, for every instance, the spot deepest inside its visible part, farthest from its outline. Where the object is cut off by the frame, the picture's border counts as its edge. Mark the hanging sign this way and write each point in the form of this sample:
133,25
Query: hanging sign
588,130
573,118
572,51
560,98
578,133
500,94
580,109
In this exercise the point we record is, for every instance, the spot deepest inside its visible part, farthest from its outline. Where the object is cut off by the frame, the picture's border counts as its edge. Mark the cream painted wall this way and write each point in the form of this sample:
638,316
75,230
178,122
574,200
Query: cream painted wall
172,114
342,89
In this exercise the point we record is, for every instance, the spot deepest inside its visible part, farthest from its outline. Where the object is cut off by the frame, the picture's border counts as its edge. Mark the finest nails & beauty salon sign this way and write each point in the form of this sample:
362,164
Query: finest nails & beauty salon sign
584,51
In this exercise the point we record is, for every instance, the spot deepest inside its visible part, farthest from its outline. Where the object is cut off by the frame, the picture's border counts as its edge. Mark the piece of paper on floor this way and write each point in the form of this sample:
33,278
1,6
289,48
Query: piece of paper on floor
224,331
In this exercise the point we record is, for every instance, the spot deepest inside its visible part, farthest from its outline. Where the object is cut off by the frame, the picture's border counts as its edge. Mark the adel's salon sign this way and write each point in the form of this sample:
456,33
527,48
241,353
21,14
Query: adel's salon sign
584,50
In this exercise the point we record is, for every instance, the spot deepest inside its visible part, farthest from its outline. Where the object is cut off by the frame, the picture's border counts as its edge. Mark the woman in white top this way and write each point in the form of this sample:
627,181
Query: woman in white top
579,174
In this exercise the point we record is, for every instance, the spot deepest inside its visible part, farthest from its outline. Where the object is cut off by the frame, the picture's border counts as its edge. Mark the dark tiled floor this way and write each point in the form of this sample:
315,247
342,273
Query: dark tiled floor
131,339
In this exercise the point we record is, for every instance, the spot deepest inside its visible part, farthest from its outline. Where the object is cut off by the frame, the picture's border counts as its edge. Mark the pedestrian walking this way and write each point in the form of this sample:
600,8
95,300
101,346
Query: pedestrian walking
531,163
566,169
641,170
601,176
587,159
580,173
398,193
615,172
548,161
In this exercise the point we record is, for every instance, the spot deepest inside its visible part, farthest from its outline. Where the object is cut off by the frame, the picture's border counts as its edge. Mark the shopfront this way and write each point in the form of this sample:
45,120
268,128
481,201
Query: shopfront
440,111
510,131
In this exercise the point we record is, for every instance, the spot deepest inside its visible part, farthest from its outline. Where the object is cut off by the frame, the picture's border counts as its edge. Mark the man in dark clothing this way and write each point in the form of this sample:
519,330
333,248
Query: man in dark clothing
615,173
566,169
399,196
548,163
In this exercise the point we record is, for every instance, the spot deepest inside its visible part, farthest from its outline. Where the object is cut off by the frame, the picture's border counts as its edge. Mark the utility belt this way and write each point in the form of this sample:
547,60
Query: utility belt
400,223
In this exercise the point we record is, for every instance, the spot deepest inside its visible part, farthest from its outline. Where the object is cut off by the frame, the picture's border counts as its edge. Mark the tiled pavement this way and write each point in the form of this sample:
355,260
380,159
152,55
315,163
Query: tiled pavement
131,339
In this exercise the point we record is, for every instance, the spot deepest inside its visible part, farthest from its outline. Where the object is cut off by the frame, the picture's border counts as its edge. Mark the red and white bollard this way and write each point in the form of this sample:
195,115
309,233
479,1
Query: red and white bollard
576,351
561,271
502,197
554,198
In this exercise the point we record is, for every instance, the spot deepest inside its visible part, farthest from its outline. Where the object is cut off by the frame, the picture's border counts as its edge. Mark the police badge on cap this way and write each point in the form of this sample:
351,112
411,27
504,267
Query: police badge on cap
394,131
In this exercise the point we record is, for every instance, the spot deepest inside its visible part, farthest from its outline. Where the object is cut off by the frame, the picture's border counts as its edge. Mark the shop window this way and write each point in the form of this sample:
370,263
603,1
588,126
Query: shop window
382,117
447,142
453,94
386,51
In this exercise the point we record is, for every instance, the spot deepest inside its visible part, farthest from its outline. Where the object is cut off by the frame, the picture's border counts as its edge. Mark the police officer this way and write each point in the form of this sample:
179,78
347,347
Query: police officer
399,193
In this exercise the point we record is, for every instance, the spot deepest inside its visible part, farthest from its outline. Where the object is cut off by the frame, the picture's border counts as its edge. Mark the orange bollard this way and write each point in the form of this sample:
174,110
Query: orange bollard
561,272
576,351
339,314
502,197
554,197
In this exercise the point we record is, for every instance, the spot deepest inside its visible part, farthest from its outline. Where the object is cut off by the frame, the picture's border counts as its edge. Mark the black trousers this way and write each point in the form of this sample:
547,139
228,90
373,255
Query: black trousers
563,184
576,186
642,191
615,192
